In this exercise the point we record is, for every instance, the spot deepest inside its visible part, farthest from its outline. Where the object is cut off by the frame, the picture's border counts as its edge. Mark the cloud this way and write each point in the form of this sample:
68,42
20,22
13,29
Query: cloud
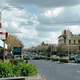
75,29
49,28
44,3
34,21
20,23
53,37
53,12
3,3
66,16
28,33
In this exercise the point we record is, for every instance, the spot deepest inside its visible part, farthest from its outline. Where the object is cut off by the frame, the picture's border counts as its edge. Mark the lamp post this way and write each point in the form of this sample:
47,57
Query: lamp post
68,47
68,51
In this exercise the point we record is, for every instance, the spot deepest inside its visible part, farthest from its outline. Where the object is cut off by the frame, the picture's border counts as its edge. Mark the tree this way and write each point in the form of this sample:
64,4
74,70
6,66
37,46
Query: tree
13,41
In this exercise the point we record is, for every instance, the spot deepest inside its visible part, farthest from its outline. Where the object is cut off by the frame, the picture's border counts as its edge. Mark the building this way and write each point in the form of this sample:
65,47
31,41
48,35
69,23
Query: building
69,42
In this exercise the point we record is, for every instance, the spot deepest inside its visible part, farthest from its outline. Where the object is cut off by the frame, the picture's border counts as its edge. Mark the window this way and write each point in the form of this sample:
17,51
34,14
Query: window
69,41
79,47
64,41
74,41
78,41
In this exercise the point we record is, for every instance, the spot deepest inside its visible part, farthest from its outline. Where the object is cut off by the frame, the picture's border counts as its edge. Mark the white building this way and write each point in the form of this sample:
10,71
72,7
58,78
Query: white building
69,42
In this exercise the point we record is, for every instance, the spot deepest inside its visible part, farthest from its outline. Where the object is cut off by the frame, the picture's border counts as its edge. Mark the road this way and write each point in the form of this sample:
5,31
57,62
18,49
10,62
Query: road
55,71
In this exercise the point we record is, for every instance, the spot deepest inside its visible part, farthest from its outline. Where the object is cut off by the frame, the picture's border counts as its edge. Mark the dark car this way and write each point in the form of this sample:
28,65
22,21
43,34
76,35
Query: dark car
71,57
77,59
26,57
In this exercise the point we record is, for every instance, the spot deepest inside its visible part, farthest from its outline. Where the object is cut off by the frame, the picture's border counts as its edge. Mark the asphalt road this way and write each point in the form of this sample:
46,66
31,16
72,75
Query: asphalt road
55,71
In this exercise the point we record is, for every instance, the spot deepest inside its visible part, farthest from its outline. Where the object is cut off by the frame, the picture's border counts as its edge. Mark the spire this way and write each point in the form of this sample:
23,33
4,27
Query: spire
68,28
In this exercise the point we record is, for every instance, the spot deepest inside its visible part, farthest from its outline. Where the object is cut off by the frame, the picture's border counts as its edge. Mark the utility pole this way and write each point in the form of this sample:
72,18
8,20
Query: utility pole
68,35
68,50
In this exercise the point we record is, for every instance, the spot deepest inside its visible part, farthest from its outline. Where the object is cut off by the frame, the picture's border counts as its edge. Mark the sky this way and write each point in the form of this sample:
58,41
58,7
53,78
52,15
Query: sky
34,21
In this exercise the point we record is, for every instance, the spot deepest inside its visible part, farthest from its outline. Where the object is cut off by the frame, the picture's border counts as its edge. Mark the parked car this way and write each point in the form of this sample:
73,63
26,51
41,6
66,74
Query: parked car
72,57
26,57
77,59
39,57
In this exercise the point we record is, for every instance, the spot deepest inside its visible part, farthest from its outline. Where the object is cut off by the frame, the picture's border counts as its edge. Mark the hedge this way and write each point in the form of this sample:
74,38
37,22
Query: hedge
8,69
63,60
55,59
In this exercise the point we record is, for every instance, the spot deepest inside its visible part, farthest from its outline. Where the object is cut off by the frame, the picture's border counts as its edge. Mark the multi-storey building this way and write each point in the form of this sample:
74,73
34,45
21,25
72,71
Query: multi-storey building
68,42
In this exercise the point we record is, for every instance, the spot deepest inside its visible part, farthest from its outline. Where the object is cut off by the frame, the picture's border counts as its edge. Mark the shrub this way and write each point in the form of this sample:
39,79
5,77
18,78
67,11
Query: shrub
48,58
17,61
54,59
23,69
8,69
28,70
63,60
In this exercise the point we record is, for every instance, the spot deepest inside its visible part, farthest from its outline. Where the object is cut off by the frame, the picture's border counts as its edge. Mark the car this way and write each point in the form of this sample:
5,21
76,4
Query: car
26,57
17,56
77,59
72,57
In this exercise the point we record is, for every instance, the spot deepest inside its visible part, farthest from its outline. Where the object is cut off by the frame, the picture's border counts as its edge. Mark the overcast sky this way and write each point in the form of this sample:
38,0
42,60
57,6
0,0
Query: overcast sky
40,20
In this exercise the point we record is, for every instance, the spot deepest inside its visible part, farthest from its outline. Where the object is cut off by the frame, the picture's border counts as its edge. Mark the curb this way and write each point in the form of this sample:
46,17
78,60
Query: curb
38,77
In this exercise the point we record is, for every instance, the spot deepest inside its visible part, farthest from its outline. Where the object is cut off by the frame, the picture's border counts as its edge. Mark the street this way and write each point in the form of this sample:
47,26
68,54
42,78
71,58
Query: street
55,71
